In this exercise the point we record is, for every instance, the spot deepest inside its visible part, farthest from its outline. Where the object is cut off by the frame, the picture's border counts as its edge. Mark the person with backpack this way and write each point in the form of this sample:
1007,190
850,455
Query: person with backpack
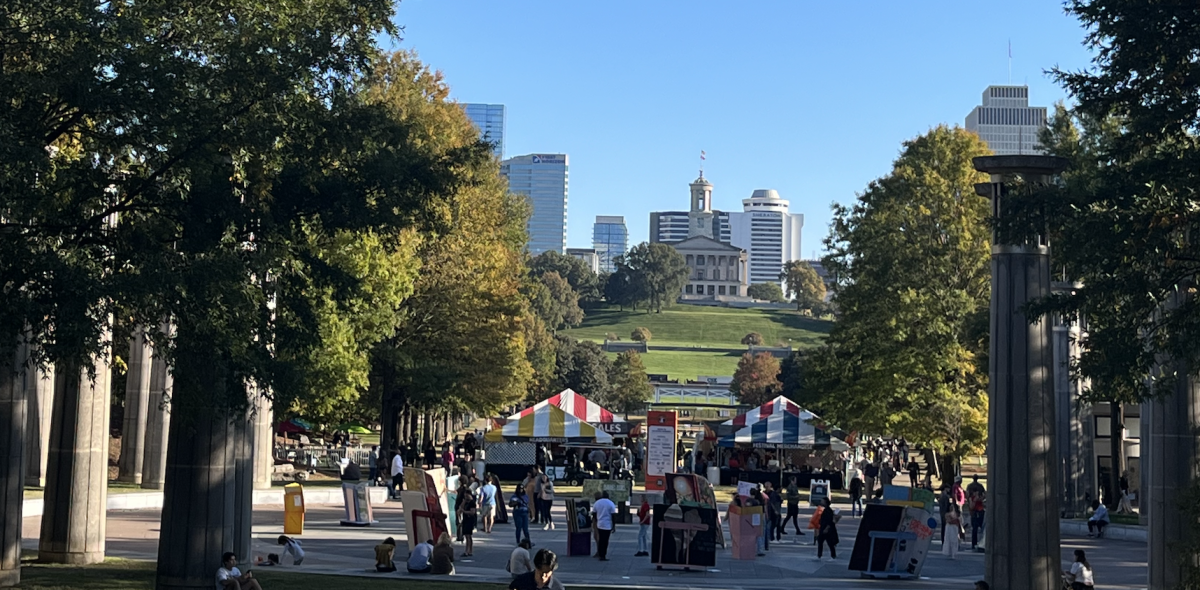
827,533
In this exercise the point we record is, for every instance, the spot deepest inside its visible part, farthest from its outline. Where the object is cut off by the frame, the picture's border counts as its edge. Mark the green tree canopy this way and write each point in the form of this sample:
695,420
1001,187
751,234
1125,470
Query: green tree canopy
582,366
554,301
804,285
752,339
641,334
756,380
577,273
907,356
766,292
629,385
657,273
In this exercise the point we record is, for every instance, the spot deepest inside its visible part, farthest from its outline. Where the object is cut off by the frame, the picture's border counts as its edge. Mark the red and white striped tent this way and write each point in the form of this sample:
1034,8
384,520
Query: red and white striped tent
574,404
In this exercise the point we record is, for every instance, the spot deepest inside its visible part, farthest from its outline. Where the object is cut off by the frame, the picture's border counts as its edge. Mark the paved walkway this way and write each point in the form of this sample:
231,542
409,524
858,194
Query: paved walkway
333,549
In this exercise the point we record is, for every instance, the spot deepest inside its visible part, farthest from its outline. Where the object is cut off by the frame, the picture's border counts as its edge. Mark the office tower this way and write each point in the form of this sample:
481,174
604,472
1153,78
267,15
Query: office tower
769,233
588,256
610,239
543,179
668,227
1006,121
489,118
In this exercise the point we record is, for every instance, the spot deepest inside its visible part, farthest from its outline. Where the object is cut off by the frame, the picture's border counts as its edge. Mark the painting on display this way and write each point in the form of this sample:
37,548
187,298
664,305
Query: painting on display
684,536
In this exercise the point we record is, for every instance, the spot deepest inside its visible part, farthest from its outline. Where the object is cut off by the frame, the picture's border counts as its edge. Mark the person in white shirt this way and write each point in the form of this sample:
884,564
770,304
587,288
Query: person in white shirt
1099,519
519,562
292,546
602,513
397,473
229,577
1080,573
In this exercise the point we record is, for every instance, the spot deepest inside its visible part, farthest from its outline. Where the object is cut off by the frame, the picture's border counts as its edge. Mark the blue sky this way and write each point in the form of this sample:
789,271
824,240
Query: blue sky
810,98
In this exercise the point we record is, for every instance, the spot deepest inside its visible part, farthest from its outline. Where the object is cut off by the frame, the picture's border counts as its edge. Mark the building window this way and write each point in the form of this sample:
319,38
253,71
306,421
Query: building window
700,274
716,274
688,289
721,289
700,260
711,290
690,260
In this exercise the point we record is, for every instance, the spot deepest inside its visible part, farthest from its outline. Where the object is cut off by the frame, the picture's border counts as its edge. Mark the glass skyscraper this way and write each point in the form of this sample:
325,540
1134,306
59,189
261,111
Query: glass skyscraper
610,239
1006,121
543,179
489,118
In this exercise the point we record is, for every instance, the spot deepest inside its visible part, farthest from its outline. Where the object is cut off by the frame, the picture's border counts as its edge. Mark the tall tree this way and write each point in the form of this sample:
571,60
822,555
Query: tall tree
912,262
629,385
582,366
554,301
756,380
766,292
619,288
577,273
658,273
804,285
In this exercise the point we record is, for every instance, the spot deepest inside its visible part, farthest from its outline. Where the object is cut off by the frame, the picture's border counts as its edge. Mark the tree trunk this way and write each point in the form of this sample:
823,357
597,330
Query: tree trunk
13,421
208,496
413,434
1116,424
389,436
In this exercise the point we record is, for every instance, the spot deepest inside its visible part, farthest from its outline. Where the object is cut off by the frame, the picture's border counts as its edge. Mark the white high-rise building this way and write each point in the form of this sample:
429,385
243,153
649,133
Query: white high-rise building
542,178
769,233
489,118
1006,121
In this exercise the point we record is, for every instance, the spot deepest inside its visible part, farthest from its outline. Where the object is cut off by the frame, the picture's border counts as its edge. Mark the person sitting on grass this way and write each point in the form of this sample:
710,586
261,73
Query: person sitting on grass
418,560
292,546
442,560
1099,519
229,577
385,554
542,576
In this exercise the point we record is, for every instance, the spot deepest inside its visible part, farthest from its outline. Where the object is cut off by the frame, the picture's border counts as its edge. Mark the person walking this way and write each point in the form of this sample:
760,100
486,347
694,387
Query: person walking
943,508
643,515
487,504
856,493
977,503
914,473
952,531
793,507
602,513
774,514
827,532
1080,574
519,502
469,515
870,472
373,467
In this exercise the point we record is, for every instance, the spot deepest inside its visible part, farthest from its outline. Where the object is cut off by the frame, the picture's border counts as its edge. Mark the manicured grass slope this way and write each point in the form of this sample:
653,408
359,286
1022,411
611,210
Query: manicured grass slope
709,327
688,364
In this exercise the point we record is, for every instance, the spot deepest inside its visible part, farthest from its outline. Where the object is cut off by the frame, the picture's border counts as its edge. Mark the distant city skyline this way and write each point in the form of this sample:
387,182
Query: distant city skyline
489,118
610,239
544,179
816,117
1006,121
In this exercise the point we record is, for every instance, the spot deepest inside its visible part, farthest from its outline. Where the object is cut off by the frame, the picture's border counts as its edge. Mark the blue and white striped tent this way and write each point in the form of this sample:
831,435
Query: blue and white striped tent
780,423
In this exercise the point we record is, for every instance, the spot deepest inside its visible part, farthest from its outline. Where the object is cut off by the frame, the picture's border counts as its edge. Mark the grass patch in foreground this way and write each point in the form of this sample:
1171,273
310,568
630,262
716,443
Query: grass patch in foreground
126,574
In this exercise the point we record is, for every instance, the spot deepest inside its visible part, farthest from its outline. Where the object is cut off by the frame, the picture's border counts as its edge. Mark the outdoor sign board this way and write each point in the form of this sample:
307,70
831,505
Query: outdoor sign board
660,448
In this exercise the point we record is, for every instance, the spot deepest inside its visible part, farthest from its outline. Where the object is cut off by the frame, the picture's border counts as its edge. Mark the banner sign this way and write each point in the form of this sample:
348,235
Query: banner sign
660,448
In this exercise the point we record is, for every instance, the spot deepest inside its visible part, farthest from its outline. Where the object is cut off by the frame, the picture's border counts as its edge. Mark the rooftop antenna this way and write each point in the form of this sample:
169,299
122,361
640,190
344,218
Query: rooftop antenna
701,163
1010,62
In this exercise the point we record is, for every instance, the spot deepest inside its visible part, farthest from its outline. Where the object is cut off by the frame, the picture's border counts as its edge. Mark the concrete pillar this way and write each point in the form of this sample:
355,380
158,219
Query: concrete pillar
137,403
1023,494
262,439
1170,451
1076,460
73,518
158,426
13,423
39,387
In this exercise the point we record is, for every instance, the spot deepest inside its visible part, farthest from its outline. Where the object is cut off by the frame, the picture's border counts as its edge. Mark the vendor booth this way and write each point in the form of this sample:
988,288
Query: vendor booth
577,405
512,448
786,441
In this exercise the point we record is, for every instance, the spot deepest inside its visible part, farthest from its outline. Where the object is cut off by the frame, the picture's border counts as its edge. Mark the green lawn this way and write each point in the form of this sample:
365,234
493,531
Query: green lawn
123,574
708,327
689,364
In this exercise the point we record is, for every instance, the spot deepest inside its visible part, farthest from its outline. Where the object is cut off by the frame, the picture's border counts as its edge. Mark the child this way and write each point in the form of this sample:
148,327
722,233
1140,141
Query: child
643,528
292,546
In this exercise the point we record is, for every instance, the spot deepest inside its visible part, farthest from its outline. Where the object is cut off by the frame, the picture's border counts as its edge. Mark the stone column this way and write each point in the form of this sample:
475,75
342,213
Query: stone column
1170,451
39,387
1076,461
1023,494
262,439
158,426
137,403
13,423
73,518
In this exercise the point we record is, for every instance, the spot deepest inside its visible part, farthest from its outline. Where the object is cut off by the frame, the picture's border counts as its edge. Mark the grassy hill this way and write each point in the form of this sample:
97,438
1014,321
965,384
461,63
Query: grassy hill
704,327
701,330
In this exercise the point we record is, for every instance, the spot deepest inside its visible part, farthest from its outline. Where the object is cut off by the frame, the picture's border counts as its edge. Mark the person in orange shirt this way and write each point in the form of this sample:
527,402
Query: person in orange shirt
814,523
